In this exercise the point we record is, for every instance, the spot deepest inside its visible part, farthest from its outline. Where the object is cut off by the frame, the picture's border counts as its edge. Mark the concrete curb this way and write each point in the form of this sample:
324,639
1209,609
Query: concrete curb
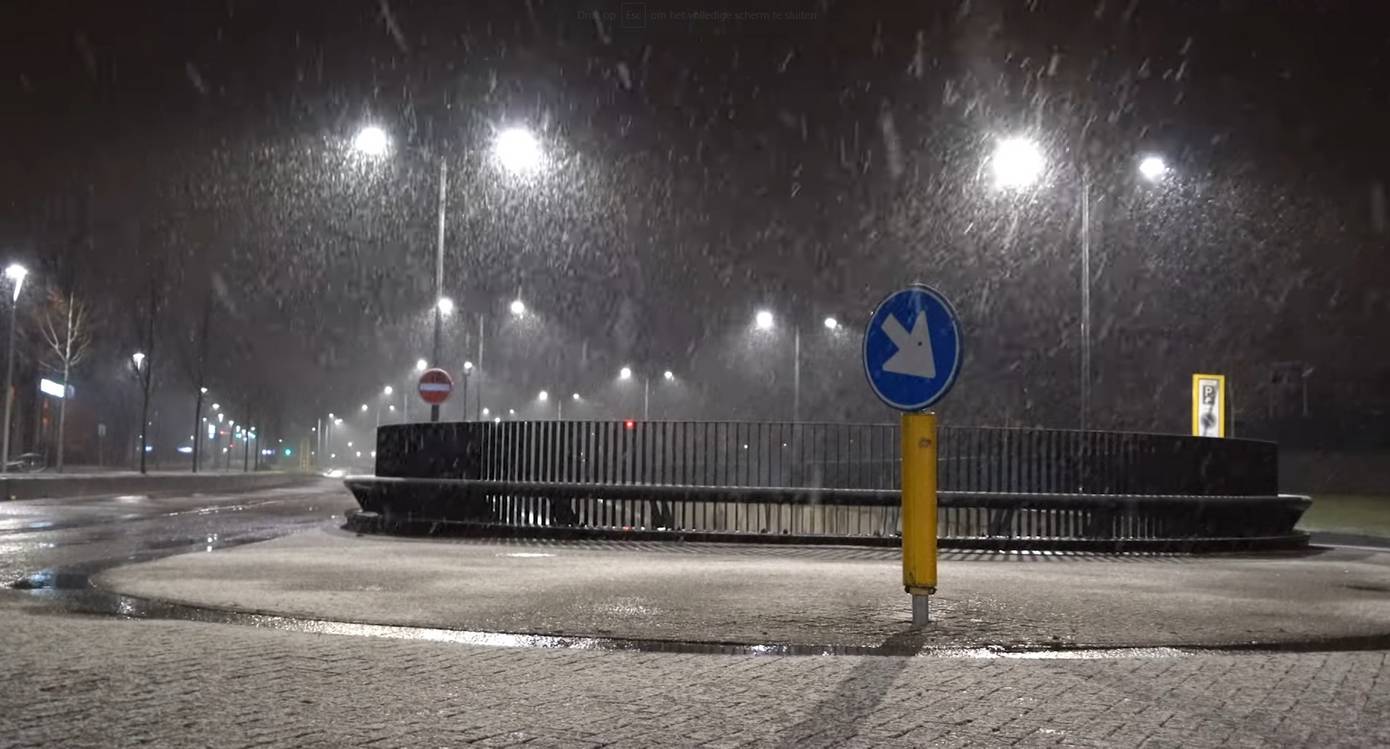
18,488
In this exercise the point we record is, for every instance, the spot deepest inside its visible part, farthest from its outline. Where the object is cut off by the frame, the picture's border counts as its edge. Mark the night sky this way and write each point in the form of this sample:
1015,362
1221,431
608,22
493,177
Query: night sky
806,158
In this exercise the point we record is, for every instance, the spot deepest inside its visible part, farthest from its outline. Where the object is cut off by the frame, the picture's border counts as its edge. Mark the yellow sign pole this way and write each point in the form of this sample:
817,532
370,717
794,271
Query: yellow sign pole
919,511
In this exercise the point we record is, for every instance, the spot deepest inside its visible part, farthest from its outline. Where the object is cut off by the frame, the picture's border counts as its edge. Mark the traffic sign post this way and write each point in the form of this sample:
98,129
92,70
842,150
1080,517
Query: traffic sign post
435,387
912,354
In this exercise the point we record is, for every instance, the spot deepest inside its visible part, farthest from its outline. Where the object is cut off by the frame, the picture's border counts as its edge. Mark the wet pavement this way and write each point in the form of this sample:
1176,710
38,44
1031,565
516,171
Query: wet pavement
78,536
91,668
817,599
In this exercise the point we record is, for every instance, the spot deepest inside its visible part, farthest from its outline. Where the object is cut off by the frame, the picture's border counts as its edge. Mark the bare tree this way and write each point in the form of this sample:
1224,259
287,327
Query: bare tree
65,326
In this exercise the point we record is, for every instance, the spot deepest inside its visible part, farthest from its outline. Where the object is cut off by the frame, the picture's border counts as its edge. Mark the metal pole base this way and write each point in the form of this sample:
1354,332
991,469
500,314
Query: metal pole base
920,611
434,413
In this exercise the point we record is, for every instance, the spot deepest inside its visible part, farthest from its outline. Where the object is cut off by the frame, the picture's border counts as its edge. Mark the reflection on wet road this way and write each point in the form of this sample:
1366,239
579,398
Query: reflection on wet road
91,533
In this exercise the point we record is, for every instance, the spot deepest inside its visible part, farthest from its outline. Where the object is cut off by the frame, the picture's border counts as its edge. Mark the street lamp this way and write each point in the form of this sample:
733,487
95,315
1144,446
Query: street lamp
386,390
218,407
516,150
1017,163
543,396
626,374
364,408
371,141
138,357
421,365
764,321
467,372
16,274
1153,168
518,307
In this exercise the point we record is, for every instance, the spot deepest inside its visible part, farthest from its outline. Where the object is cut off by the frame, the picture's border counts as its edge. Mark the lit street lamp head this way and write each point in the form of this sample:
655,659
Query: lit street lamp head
668,375
420,365
467,366
371,141
204,391
575,397
543,396
364,406
1016,163
831,323
625,373
763,320
387,390
518,307
446,306
139,358
16,273
1153,168
516,150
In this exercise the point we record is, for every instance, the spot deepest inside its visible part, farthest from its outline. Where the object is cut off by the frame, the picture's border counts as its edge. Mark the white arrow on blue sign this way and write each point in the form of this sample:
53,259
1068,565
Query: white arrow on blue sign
912,348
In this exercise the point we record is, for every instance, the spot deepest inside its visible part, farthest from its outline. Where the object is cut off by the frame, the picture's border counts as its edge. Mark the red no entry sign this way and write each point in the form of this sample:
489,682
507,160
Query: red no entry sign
435,386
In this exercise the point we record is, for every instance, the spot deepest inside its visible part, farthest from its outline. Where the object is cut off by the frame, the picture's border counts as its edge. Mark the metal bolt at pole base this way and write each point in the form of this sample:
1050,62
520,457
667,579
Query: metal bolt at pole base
919,504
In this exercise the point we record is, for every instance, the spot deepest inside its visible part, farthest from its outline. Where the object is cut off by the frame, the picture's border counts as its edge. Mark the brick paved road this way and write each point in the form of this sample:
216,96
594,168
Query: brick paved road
100,682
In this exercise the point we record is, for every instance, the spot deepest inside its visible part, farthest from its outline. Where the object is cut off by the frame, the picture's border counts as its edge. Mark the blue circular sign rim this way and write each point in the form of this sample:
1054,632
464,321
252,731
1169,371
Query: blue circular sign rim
955,363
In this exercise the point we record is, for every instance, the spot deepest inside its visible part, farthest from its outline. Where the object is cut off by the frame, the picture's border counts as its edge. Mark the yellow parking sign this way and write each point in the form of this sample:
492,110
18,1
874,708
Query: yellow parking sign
1208,405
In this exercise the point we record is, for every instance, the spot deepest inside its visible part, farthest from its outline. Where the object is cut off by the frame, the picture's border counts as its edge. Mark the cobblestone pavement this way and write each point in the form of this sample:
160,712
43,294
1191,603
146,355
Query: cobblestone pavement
73,681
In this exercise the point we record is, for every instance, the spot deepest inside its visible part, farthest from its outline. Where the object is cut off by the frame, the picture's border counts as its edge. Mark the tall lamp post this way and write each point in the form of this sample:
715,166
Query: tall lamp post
516,149
467,370
139,365
1018,163
626,374
16,274
763,320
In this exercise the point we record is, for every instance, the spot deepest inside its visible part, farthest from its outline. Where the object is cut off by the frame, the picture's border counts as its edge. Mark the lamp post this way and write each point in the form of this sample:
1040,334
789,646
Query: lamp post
544,397
142,375
763,320
467,370
16,274
626,374
1017,163
516,149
